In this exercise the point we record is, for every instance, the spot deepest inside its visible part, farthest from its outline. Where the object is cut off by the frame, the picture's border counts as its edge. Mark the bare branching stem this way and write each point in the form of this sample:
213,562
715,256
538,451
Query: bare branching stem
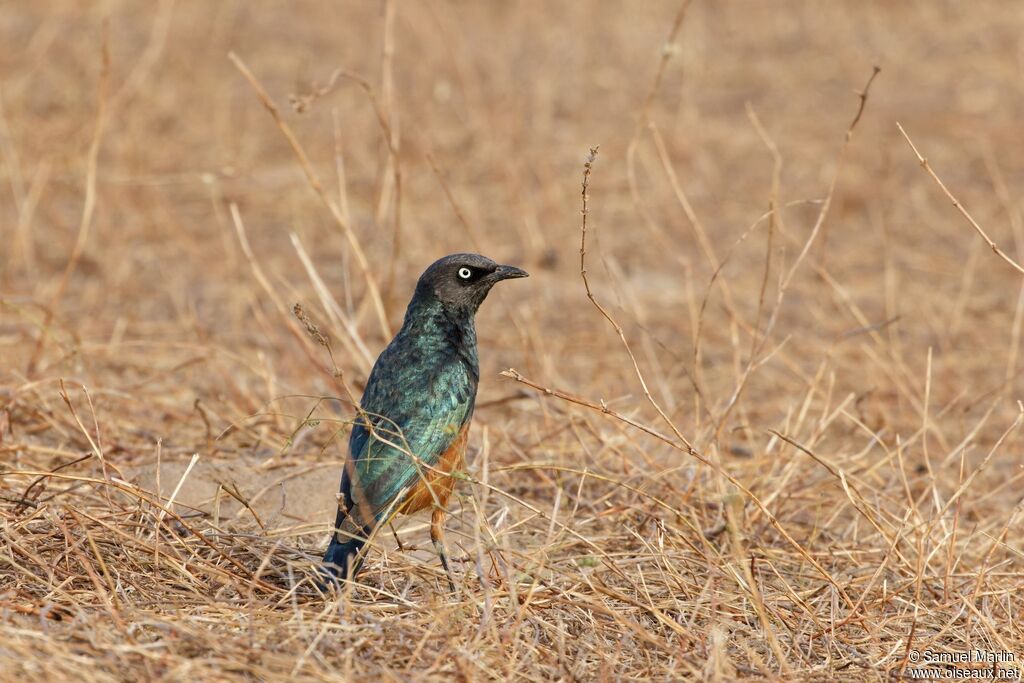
318,188
588,168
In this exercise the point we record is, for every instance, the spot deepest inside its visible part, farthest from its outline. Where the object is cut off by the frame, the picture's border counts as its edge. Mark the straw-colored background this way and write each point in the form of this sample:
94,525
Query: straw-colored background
154,222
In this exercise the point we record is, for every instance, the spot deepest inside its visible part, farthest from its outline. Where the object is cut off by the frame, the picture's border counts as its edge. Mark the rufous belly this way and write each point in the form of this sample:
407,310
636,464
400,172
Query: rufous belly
434,485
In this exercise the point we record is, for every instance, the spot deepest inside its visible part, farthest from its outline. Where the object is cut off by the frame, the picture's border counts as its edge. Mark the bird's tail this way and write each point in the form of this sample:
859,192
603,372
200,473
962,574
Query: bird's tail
342,561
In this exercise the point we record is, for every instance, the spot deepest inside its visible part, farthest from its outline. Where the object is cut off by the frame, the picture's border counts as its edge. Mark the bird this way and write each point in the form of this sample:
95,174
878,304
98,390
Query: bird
412,423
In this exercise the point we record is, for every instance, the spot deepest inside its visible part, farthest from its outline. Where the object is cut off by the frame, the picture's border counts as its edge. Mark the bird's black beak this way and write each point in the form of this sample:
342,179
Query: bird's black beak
508,273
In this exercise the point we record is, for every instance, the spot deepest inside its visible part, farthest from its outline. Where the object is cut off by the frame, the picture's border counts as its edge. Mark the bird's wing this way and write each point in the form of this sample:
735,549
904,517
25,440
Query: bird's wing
420,415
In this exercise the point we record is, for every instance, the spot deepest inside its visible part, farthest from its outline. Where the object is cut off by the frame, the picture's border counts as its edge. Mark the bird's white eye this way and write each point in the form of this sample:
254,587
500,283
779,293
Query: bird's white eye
465,273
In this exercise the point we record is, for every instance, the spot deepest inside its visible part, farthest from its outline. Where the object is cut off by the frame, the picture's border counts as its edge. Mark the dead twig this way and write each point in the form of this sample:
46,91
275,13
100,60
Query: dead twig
959,207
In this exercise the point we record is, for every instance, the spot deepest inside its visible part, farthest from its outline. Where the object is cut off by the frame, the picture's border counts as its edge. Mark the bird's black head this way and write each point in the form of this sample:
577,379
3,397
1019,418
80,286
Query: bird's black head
460,282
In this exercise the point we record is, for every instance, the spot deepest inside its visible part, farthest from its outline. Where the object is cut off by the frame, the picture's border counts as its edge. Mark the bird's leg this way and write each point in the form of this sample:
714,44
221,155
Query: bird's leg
401,548
437,536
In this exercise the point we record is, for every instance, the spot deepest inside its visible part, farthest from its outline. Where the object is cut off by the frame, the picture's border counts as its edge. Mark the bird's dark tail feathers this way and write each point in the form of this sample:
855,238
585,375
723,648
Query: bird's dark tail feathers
342,561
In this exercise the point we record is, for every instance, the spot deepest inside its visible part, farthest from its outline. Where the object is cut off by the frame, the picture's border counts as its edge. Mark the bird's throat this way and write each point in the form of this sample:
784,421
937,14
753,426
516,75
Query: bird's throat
442,333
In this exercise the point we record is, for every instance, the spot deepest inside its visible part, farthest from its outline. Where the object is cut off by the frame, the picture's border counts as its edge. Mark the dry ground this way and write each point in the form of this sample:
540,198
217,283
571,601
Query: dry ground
846,367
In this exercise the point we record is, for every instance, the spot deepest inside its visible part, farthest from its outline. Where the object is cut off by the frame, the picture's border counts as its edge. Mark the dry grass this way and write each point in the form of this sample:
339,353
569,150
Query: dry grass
794,453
